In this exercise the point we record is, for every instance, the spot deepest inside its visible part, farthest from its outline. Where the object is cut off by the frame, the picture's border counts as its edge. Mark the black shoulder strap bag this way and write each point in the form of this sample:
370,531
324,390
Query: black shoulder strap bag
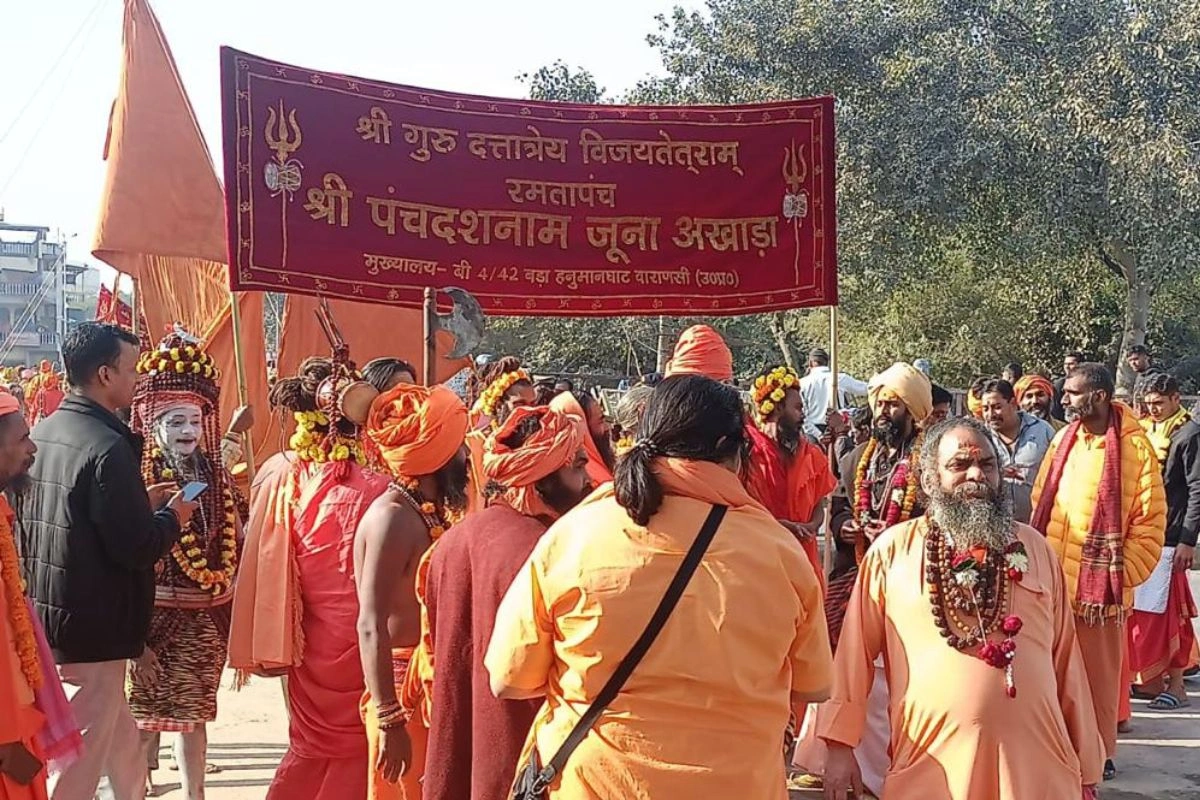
534,779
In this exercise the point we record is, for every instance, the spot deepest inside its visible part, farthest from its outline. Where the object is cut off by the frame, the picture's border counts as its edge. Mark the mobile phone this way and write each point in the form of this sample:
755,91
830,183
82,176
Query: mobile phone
194,490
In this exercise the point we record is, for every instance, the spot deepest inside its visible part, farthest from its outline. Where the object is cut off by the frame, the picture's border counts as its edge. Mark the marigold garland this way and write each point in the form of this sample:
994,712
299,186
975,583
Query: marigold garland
436,517
189,552
899,502
493,395
187,360
771,389
314,441
18,610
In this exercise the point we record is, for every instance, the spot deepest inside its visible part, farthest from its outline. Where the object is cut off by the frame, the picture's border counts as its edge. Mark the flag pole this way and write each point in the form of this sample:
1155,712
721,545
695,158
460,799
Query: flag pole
430,341
239,363
834,405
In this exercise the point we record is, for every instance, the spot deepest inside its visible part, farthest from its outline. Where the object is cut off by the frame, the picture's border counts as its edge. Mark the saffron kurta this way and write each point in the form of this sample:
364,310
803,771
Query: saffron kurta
956,735
704,713
475,740
327,743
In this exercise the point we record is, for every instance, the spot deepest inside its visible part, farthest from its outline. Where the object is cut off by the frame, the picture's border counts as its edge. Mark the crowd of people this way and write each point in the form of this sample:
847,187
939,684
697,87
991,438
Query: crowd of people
507,590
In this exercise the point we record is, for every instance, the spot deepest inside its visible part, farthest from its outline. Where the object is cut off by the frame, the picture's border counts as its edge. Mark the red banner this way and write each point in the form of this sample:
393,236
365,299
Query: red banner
121,313
352,188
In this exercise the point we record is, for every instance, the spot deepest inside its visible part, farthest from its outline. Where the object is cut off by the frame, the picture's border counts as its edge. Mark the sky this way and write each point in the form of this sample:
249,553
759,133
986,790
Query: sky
60,61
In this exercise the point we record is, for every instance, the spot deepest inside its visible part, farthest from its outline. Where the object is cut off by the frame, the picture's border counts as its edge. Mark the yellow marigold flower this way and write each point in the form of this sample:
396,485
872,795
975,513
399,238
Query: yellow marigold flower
767,407
778,395
174,353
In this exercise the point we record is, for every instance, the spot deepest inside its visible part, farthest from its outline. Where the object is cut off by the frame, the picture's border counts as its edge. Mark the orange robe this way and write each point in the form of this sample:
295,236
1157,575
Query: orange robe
789,487
703,715
266,630
956,735
327,743
20,721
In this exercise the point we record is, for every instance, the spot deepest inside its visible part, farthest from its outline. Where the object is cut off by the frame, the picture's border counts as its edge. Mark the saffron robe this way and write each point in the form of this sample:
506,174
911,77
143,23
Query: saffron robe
955,733
20,720
327,743
789,487
704,714
476,739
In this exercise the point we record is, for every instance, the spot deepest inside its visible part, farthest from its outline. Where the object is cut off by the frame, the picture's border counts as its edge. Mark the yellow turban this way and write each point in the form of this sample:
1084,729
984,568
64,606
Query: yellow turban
907,384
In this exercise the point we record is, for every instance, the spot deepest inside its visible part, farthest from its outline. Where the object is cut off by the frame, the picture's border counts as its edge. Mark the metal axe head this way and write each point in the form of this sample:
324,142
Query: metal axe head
465,320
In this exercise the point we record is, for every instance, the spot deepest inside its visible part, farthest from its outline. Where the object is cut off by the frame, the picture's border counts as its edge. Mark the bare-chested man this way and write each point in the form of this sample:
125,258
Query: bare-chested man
420,433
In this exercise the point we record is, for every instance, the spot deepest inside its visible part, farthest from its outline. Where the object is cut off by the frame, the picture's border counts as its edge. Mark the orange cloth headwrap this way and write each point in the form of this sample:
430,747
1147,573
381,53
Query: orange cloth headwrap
597,470
701,351
1027,382
418,429
8,404
550,449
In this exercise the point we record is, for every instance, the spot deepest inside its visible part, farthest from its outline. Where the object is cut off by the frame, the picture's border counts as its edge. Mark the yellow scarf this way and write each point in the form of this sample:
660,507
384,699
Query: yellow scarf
1160,433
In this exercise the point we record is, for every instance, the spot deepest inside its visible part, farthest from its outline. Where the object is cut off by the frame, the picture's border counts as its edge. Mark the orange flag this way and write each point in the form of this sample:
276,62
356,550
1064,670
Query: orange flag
162,214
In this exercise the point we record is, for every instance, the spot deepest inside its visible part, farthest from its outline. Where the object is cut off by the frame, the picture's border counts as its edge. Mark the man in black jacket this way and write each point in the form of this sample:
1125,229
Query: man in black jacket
1160,628
90,540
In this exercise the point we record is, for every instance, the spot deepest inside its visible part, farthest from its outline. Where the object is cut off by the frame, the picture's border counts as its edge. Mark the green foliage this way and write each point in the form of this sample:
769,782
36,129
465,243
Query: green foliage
1015,180
560,83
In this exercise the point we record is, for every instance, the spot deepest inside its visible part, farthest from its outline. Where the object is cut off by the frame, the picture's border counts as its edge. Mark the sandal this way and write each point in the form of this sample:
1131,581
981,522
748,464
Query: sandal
1110,770
1139,694
1168,702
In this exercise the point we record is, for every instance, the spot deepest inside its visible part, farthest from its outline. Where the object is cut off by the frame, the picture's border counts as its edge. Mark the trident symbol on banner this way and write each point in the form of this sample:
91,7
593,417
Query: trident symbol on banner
282,175
795,199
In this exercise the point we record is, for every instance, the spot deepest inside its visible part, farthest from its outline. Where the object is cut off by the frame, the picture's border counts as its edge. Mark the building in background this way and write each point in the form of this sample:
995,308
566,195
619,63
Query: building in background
41,293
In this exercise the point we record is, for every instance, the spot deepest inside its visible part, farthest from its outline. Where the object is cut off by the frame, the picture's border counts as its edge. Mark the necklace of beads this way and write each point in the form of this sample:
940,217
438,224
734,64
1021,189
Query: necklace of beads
433,517
971,595
193,550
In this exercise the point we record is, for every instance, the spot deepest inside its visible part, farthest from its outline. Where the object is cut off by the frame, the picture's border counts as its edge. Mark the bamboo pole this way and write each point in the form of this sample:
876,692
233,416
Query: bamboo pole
239,362
834,405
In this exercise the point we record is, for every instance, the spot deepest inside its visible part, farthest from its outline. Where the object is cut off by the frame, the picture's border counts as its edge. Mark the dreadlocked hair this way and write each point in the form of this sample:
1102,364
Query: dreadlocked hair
481,378
299,393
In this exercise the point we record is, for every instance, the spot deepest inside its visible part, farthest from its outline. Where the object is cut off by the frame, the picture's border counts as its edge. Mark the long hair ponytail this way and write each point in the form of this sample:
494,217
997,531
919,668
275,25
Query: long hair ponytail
688,417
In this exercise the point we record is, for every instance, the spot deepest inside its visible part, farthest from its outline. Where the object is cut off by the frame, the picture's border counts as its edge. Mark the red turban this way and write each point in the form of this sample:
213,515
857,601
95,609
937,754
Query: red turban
418,429
701,351
1029,381
553,447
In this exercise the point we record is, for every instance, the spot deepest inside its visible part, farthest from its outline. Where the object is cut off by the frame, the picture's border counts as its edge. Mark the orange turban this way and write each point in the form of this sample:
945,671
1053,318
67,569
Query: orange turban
597,470
544,453
418,429
701,351
8,404
1027,382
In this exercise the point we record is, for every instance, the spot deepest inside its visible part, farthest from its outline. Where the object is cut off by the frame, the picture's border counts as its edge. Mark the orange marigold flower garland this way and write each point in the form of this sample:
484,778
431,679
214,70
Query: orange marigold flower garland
18,610
490,400
901,498
189,552
770,390
437,519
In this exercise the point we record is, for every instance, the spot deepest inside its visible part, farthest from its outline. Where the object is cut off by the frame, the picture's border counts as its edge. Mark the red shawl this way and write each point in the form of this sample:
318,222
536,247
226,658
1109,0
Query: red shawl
1102,566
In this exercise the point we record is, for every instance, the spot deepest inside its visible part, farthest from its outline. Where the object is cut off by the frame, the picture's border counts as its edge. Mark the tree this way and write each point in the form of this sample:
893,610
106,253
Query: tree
1039,136
1015,180
560,83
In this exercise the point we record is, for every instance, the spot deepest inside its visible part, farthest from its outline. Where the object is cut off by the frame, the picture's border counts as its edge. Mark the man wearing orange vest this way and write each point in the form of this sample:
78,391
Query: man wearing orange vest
1099,500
